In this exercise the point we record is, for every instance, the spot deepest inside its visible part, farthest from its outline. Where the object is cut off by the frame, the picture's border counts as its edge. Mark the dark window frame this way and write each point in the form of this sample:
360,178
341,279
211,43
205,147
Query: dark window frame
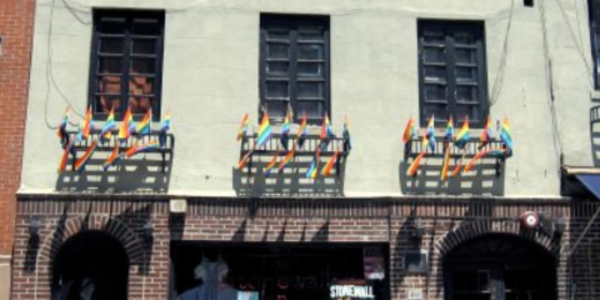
478,28
293,21
594,17
128,15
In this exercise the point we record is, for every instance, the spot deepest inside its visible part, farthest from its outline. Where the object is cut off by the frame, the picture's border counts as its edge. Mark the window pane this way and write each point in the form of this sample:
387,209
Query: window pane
434,37
466,74
464,38
280,34
435,55
310,52
146,27
466,93
306,69
278,50
434,92
464,110
313,109
105,103
435,73
276,109
110,84
111,45
139,85
143,46
278,89
110,65
139,105
112,25
278,67
310,89
143,65
440,111
310,33
465,56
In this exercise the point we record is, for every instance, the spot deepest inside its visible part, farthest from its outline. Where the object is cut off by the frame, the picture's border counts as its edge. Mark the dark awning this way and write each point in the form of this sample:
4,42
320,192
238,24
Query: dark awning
591,182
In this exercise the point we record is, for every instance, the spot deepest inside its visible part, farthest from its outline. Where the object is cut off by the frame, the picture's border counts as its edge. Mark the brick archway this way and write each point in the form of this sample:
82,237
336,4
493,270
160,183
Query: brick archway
471,229
53,242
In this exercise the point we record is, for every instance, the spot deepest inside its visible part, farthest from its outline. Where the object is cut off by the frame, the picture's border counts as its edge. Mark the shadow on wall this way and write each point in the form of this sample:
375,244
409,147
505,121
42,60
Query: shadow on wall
252,179
143,174
595,135
485,178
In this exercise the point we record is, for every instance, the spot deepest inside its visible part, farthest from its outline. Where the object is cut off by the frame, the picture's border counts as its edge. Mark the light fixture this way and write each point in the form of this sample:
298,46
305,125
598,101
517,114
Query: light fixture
34,227
560,225
418,230
147,232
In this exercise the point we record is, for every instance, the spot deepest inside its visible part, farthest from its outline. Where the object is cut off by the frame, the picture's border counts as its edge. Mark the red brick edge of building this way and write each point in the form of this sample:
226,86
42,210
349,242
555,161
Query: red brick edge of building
447,223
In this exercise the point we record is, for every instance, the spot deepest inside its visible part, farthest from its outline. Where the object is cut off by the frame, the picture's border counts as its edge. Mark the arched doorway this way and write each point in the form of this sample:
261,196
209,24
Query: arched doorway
499,267
91,265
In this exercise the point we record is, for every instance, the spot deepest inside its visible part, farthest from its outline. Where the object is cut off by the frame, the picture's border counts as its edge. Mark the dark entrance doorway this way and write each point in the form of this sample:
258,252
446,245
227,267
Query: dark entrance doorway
91,265
499,267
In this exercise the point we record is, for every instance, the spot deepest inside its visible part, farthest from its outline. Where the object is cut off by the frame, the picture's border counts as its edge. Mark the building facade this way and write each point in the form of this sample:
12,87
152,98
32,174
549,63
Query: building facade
191,212
16,29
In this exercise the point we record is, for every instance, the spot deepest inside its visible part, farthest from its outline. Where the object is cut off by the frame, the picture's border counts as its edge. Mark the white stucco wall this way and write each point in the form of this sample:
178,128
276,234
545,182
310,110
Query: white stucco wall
210,80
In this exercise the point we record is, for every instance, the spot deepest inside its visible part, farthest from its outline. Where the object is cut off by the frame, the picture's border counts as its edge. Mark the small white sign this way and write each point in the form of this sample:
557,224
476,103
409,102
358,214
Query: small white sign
415,294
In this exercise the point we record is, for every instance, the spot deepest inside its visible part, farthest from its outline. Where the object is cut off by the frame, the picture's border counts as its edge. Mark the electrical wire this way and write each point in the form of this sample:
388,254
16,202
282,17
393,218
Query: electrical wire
499,81
577,45
558,147
50,81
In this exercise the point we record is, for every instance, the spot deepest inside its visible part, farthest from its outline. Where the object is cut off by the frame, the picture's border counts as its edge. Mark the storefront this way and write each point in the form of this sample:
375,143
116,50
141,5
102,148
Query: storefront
275,271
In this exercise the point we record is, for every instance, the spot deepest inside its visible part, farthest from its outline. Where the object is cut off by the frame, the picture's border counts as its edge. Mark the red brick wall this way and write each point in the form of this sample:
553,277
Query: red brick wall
447,223
16,28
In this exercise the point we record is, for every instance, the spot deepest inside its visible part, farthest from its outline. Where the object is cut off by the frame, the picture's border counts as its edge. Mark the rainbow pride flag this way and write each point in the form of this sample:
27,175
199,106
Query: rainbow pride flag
326,132
243,130
62,128
409,131
245,160
431,133
86,126
414,166
346,134
126,126
313,170
285,130
464,135
165,124
264,131
288,157
486,134
271,164
302,131
145,125
446,164
329,165
449,131
65,157
112,159
109,125
506,137
482,154
81,162
135,149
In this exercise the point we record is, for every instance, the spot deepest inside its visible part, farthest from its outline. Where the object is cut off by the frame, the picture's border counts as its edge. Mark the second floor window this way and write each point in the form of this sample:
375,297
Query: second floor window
452,73
126,63
594,7
294,66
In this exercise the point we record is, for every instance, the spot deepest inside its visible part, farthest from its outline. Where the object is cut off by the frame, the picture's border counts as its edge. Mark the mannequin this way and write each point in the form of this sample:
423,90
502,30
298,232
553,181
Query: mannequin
212,287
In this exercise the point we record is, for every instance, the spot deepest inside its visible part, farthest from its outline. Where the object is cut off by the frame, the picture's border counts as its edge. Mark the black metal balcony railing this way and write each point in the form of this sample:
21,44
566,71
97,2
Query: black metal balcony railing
108,146
308,149
415,146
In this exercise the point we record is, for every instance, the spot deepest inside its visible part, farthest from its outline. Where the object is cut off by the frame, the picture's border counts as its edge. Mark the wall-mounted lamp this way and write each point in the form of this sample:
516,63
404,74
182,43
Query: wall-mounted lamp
34,227
147,232
418,230
560,225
